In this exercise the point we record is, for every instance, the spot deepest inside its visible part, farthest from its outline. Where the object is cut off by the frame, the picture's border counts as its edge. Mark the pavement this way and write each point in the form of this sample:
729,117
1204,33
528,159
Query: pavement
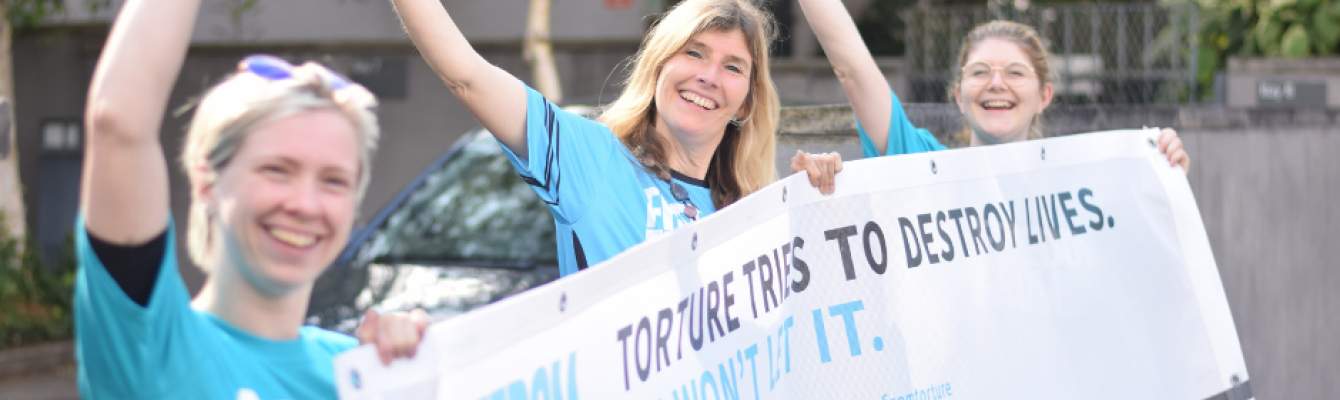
39,372
54,384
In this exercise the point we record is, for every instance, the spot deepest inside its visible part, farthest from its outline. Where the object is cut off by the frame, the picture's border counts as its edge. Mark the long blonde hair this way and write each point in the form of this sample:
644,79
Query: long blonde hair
231,110
1021,35
743,161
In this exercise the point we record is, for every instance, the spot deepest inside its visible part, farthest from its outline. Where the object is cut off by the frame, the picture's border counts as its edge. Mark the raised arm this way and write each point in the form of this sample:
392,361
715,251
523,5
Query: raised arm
494,96
865,85
125,187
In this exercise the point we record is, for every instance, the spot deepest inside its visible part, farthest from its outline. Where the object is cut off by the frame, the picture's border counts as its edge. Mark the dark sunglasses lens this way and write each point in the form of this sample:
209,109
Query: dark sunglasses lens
691,211
679,192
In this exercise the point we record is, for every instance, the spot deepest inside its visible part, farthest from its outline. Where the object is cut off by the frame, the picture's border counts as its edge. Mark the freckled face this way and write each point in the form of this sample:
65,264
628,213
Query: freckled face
286,200
999,111
703,85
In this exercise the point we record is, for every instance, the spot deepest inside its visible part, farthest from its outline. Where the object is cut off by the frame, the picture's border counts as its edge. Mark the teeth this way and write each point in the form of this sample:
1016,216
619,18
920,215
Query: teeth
699,100
292,238
996,104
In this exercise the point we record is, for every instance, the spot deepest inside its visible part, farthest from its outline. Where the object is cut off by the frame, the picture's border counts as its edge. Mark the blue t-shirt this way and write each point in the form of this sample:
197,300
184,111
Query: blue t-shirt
168,350
602,198
903,137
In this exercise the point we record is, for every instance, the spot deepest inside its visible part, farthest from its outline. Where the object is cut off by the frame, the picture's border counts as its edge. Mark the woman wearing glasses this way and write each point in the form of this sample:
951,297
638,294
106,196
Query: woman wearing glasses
1003,85
278,157
692,132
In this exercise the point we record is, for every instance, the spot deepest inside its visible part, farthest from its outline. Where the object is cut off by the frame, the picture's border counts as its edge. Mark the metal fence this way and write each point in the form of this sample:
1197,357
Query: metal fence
1142,53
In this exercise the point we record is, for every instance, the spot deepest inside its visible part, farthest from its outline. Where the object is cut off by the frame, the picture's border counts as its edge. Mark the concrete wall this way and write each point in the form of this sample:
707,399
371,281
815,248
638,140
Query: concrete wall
374,21
1245,76
1265,182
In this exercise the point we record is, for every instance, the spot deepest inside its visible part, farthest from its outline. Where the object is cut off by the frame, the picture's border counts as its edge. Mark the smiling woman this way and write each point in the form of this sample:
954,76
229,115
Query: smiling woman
277,157
692,132
1002,86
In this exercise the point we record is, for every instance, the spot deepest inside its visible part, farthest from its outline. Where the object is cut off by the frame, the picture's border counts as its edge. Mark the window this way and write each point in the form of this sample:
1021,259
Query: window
62,135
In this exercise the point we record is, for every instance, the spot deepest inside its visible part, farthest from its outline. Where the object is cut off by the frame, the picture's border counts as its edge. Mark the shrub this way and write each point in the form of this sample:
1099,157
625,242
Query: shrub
35,300
1269,28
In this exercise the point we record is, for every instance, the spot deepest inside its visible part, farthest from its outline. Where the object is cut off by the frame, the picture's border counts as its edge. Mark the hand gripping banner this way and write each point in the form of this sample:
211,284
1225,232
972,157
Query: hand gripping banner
1074,267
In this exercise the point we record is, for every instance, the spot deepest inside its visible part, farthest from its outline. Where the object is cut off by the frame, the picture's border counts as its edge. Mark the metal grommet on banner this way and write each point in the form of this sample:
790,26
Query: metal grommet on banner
694,245
355,379
1044,154
562,302
1152,143
783,194
933,169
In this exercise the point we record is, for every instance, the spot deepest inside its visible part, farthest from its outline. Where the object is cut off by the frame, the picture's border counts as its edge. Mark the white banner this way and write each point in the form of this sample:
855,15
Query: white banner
1075,267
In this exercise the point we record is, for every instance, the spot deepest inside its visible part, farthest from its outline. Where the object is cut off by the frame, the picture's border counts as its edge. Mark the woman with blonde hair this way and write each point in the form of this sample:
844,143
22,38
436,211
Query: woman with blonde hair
278,158
1002,87
692,132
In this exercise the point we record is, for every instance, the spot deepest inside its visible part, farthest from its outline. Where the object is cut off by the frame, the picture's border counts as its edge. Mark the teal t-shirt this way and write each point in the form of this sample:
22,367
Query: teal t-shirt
168,350
903,137
602,199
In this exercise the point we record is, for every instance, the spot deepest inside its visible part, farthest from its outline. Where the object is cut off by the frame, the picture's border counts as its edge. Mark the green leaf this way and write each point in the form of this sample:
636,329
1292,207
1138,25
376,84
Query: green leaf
1306,7
1267,32
1207,61
1295,43
1290,16
1323,51
1327,29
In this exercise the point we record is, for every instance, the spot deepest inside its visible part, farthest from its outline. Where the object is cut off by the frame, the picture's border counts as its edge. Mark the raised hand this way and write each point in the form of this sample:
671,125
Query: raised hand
821,168
396,335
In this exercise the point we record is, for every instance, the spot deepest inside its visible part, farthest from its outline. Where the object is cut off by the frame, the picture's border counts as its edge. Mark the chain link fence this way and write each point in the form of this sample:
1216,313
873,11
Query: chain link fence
1105,53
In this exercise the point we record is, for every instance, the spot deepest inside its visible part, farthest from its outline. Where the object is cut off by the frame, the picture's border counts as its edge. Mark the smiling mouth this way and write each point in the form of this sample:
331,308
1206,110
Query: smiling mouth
997,105
700,101
292,238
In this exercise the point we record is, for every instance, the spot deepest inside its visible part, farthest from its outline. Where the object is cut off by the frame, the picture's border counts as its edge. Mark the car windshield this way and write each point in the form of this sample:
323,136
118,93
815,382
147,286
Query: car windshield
467,233
474,210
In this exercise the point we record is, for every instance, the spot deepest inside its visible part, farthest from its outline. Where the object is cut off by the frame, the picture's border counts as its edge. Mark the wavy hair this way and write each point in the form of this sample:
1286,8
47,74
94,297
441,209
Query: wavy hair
743,161
1021,35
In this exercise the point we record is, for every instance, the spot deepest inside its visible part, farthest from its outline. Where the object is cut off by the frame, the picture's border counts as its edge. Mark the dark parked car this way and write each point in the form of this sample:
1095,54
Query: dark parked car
465,233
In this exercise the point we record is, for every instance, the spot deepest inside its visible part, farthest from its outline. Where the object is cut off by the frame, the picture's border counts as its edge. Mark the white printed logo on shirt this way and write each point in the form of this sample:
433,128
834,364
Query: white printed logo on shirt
247,394
664,214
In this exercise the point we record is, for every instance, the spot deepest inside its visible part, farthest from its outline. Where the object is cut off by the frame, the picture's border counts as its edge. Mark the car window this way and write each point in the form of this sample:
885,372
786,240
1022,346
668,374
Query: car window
475,209
468,233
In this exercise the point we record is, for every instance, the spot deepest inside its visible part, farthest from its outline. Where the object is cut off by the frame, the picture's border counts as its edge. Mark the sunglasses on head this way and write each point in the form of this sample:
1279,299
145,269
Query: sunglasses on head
276,69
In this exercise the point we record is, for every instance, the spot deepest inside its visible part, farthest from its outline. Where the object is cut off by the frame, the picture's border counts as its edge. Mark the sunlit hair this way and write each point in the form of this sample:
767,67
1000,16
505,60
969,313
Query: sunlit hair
744,161
1021,35
233,109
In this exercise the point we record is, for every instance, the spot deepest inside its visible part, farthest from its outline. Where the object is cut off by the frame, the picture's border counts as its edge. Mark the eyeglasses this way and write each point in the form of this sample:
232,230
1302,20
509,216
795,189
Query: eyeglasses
682,195
276,69
1015,74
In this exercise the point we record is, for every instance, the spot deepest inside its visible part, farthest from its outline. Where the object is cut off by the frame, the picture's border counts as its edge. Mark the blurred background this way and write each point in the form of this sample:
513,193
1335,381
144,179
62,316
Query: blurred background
1253,87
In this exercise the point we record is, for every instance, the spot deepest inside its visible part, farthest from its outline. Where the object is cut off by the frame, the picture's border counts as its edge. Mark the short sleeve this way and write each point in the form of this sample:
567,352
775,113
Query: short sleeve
568,156
903,137
119,343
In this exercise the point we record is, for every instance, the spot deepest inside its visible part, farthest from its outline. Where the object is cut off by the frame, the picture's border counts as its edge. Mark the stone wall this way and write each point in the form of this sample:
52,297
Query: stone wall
1263,82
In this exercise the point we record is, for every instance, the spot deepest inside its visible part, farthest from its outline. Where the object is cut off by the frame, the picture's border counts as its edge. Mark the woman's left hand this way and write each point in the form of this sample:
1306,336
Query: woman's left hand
396,335
1171,146
821,168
